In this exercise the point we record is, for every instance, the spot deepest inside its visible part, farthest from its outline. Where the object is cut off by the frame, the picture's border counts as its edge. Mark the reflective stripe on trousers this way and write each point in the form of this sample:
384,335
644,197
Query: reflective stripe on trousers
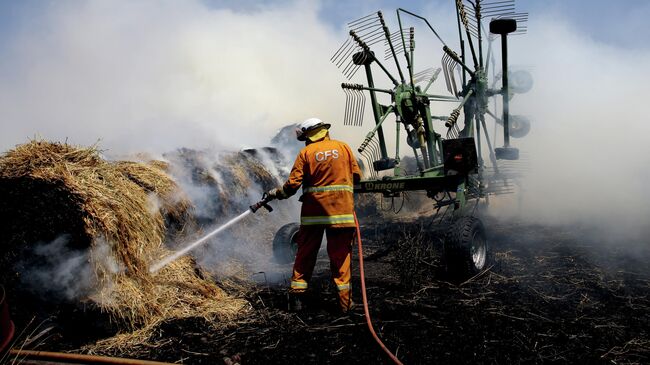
343,287
298,285
327,219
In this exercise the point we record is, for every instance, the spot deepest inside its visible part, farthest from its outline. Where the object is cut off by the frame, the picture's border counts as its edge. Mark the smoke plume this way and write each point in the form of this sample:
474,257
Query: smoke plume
154,76
54,269
587,149
158,75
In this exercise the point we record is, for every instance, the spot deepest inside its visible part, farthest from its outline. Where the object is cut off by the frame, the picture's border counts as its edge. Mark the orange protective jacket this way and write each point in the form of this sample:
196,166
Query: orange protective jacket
327,171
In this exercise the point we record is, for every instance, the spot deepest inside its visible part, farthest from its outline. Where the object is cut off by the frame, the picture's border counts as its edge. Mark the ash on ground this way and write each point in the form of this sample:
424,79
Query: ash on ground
551,295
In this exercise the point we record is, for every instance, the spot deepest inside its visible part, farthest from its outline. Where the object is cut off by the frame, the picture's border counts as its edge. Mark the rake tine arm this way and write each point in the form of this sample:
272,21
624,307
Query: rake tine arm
371,134
361,87
497,119
442,98
493,158
479,36
390,44
365,47
453,117
457,59
409,66
465,21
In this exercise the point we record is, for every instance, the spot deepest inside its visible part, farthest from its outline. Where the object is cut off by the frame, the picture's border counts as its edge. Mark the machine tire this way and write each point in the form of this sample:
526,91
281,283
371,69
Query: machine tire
466,248
284,244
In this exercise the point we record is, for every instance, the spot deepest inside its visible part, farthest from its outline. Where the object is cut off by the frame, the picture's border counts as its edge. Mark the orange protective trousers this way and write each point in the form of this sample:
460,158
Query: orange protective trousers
339,248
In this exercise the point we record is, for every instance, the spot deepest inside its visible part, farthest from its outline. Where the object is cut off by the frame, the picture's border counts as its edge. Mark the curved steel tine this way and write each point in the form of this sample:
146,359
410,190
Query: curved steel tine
363,108
359,111
349,50
346,119
340,50
361,20
355,106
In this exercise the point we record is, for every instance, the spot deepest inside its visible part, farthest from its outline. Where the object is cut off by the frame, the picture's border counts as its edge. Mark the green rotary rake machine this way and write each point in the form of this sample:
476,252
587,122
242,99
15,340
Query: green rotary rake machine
451,169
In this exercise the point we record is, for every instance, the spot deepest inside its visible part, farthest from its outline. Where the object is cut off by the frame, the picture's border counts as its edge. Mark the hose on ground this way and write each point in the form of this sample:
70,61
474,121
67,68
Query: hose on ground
23,355
365,298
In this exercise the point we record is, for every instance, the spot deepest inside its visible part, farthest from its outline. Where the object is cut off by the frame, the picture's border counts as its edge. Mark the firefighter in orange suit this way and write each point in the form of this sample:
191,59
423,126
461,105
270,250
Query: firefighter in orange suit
326,169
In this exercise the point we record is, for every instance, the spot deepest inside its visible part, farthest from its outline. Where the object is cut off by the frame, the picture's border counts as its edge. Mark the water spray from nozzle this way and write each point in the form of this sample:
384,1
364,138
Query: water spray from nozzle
176,255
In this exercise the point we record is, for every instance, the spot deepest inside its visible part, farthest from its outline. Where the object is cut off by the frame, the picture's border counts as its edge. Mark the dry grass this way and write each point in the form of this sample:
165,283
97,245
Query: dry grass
50,188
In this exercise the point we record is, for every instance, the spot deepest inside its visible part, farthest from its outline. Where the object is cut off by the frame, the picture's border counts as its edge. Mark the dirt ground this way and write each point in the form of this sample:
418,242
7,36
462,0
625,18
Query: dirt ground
551,295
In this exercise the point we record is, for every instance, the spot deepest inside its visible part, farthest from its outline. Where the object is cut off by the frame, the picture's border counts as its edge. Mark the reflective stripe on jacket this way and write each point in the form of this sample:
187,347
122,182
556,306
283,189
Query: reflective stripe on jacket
326,169
320,189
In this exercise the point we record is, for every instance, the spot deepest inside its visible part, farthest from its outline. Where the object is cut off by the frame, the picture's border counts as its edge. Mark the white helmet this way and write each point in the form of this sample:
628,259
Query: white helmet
309,125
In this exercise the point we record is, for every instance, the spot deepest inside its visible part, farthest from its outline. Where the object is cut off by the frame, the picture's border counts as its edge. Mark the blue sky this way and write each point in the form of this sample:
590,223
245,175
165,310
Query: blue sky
614,22
622,22
625,22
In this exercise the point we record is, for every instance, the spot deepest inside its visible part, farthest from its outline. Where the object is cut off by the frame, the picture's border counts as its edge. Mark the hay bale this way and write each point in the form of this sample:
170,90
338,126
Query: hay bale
164,194
225,183
115,210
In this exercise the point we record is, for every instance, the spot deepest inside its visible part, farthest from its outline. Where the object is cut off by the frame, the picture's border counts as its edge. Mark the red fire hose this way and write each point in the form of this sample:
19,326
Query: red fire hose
69,358
6,325
365,298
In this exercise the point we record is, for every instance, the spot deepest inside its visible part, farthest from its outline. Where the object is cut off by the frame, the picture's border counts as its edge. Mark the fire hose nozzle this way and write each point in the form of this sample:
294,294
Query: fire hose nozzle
262,203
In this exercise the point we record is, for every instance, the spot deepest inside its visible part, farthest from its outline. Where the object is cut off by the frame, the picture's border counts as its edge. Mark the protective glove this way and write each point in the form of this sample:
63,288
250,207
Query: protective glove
277,193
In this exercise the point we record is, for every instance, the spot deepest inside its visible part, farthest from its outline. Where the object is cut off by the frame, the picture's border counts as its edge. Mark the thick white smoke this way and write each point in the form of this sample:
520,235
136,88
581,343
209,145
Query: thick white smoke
53,269
156,75
588,146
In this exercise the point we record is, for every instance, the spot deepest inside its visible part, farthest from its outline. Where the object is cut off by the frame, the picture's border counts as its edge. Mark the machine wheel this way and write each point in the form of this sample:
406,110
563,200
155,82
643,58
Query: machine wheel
284,243
466,249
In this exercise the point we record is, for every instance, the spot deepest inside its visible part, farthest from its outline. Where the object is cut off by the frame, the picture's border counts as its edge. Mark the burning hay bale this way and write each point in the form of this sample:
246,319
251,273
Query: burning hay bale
222,185
164,194
225,183
114,215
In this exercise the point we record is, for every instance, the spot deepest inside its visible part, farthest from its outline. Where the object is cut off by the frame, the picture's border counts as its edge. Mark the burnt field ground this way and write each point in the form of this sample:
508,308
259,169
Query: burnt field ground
551,295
